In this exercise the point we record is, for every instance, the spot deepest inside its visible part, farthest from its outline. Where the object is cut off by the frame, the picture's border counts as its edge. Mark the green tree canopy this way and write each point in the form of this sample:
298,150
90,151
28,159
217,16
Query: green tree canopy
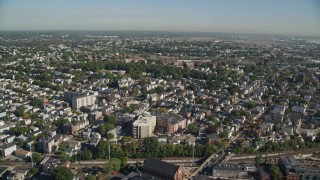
85,155
113,165
275,172
20,111
151,146
36,157
36,102
62,173
193,128
90,177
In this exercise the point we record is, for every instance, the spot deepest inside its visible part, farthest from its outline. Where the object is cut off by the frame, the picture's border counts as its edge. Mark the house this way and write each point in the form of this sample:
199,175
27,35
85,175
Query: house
299,109
7,149
190,140
23,153
9,139
73,128
114,134
96,115
153,97
212,138
52,163
74,147
47,145
163,139
263,173
279,109
199,115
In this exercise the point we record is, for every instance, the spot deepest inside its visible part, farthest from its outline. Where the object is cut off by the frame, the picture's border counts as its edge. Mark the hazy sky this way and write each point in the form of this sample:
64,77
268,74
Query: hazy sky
301,17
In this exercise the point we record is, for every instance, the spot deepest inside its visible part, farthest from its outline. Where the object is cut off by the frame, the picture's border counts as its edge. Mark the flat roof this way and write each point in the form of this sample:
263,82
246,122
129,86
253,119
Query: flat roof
171,118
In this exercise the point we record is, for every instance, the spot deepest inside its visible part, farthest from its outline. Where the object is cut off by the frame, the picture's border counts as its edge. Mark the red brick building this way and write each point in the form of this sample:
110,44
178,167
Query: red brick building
162,170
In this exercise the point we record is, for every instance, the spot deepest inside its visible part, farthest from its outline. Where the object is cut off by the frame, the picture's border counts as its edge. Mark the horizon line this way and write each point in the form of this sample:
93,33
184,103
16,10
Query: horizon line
172,31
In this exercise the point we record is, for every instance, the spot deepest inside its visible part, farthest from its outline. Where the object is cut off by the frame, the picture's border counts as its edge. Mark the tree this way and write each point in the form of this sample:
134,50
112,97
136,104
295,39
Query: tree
59,124
101,150
20,111
163,110
109,136
25,115
258,160
109,126
275,172
36,157
90,177
212,128
151,146
193,128
39,124
33,171
213,119
63,145
251,104
128,109
113,165
102,129
232,90
318,138
224,134
112,119
62,173
130,148
5,118
18,130
126,139
36,102
85,155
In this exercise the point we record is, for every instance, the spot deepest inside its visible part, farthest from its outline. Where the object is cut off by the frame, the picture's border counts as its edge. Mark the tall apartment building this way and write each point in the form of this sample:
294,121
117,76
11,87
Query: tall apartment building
170,123
78,100
144,126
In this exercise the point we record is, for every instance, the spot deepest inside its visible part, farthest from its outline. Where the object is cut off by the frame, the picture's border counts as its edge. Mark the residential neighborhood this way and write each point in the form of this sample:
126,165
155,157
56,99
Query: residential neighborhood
158,106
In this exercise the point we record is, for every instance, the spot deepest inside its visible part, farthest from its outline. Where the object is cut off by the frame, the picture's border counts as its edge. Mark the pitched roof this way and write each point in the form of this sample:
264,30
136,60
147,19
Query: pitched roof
22,152
160,166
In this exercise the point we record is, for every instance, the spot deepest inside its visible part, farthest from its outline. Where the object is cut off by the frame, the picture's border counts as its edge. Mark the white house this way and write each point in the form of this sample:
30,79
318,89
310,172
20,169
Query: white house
7,149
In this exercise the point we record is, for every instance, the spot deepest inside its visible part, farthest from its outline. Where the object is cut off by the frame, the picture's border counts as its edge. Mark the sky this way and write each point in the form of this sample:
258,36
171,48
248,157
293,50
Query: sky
288,17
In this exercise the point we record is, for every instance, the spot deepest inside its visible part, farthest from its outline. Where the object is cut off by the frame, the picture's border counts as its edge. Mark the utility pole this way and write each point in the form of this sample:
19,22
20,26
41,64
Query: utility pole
31,155
286,149
265,158
193,153
109,151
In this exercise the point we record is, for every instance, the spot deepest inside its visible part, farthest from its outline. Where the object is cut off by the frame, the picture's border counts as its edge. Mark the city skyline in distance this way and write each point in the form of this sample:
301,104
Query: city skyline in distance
232,16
